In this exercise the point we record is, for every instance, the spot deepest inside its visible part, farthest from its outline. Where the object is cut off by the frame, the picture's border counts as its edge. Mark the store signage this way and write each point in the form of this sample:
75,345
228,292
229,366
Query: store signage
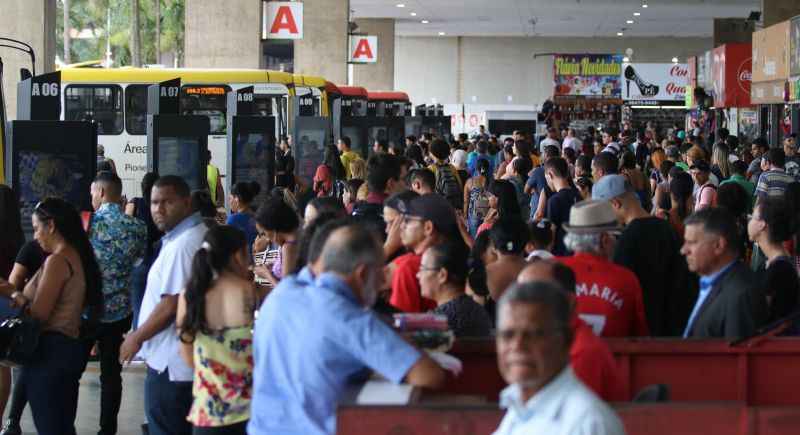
731,73
794,90
363,49
588,75
654,81
769,92
794,46
282,20
771,53
467,122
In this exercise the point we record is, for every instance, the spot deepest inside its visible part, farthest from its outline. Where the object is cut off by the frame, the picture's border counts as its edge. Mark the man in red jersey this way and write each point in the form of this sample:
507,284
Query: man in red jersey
608,296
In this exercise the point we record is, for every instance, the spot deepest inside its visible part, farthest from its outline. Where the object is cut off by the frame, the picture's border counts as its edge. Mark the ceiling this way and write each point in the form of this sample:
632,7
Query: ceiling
555,18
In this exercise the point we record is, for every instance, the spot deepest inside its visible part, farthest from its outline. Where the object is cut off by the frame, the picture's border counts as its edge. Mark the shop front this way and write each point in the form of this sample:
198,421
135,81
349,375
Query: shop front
588,91
731,76
770,81
654,93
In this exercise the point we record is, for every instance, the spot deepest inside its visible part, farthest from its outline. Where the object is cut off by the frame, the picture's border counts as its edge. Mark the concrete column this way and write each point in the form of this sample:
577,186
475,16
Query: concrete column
323,49
223,34
32,22
728,30
775,11
378,75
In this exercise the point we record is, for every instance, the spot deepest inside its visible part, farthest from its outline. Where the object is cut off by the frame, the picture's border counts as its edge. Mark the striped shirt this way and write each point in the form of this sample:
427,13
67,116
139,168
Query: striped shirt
773,183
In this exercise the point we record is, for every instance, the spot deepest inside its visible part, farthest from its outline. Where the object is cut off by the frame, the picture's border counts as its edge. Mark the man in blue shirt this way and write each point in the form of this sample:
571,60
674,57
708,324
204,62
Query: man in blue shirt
309,343
119,243
729,303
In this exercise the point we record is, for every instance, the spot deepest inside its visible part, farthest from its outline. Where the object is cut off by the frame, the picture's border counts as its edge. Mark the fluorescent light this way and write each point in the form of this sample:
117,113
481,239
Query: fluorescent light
629,21
441,33
401,5
674,60
425,21
644,5
636,14
413,14
619,33
626,59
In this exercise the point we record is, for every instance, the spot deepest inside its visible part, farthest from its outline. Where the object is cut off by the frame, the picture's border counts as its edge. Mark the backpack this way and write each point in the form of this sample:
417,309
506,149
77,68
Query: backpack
478,204
448,186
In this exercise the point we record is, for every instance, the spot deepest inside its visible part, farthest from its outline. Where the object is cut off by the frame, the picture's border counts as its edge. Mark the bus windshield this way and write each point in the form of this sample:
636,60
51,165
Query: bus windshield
209,101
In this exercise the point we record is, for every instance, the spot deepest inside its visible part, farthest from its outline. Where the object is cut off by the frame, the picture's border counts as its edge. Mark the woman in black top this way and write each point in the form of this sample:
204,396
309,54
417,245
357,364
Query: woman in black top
442,277
770,226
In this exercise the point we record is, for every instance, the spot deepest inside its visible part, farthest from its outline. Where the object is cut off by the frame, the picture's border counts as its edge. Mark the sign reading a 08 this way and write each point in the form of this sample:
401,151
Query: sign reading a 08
306,101
44,89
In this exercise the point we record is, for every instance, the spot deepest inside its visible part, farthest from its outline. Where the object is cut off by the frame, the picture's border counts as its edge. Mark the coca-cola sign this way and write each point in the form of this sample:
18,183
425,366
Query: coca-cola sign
654,81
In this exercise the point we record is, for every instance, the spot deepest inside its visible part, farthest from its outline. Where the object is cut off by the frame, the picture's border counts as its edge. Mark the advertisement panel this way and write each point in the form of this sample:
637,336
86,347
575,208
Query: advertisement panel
731,72
768,92
794,46
588,75
654,81
771,53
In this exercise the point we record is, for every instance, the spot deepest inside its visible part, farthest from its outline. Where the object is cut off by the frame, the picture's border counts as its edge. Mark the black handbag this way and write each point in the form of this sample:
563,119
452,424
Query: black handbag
19,339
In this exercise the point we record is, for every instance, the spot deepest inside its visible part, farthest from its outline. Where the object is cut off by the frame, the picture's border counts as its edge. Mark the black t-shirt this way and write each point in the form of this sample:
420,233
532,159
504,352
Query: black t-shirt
650,248
465,317
780,282
558,207
31,256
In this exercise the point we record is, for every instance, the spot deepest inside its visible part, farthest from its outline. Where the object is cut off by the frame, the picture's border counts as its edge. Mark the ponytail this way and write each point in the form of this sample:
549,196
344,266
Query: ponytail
219,246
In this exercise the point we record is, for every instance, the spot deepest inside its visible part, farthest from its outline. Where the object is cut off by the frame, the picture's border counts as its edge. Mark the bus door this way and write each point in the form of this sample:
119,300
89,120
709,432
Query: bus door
272,99
210,101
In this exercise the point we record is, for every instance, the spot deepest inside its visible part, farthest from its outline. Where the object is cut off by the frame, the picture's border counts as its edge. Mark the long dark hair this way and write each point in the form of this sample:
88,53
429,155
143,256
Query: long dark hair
219,246
68,223
148,181
10,222
507,204
482,167
333,161
681,187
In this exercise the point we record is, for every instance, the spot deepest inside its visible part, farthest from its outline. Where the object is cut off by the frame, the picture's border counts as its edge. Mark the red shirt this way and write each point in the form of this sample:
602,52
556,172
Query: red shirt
405,286
608,296
594,364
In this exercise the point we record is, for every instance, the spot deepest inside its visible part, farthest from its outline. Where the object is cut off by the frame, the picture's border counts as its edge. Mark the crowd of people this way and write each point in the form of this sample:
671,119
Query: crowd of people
257,322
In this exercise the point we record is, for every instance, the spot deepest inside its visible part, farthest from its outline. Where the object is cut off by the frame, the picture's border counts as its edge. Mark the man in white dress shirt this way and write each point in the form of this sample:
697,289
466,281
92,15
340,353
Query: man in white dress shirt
544,396
168,385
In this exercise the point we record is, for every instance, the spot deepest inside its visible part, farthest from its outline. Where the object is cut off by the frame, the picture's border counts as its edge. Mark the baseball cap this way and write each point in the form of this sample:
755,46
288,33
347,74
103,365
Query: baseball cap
681,135
701,165
435,208
610,187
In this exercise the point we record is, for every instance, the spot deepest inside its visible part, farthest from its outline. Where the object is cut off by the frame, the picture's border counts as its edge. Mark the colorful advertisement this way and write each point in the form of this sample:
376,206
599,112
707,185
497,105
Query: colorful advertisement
654,81
731,71
794,46
588,75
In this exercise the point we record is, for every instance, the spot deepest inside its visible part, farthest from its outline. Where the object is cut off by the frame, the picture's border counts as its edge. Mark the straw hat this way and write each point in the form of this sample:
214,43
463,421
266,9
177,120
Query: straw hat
592,216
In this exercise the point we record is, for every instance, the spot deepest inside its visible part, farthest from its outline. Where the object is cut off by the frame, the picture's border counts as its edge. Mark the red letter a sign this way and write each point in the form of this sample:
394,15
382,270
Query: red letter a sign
363,49
284,20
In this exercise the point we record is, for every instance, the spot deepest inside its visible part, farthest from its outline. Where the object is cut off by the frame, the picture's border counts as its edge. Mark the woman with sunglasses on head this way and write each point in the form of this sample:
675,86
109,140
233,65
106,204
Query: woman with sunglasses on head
68,284
215,323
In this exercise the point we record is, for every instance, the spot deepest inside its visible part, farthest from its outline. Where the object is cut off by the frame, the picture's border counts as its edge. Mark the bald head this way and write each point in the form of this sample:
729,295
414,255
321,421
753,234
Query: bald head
349,247
548,271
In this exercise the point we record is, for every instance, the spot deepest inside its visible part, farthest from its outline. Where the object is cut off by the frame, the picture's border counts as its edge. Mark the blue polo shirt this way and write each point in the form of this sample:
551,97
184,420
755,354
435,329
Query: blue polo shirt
307,344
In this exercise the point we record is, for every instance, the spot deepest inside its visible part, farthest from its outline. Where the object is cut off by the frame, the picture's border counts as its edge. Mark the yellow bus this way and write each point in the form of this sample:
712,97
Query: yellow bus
116,98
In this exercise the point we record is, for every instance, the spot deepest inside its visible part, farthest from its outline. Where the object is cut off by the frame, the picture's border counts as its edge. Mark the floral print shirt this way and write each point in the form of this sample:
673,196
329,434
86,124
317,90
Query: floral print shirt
119,243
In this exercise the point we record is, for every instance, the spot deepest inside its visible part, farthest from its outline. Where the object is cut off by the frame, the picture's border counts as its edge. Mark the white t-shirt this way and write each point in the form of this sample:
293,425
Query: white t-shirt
547,142
572,142
168,276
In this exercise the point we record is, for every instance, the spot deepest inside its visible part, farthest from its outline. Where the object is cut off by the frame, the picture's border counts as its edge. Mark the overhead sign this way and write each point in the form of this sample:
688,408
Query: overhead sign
363,49
731,72
771,53
794,46
589,75
654,81
282,20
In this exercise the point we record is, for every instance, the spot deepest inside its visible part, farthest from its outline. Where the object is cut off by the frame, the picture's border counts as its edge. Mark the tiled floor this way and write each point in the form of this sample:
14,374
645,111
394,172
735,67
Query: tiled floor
131,414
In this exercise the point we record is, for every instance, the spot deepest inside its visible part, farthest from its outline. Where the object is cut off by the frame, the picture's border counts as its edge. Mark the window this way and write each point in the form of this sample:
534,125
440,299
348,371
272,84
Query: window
99,103
136,109
210,101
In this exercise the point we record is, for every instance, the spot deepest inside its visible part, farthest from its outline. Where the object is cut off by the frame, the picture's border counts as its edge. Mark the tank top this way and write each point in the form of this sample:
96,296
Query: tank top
223,377
66,315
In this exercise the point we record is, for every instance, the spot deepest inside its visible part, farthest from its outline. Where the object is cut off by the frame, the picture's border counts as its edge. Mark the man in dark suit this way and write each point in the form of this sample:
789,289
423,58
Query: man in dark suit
729,303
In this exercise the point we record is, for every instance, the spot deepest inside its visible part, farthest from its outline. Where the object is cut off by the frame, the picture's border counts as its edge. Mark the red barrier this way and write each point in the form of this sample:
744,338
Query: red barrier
761,373
650,419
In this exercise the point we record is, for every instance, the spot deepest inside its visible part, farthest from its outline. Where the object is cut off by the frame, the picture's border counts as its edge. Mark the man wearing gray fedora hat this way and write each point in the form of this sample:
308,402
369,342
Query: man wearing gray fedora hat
608,296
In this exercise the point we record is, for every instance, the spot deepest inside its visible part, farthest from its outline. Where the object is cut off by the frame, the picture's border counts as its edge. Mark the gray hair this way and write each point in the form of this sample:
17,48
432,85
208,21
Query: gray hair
349,247
543,293
583,242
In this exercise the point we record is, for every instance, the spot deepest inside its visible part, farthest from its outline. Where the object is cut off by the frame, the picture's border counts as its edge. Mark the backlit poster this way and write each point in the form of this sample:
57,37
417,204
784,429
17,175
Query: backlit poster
587,75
